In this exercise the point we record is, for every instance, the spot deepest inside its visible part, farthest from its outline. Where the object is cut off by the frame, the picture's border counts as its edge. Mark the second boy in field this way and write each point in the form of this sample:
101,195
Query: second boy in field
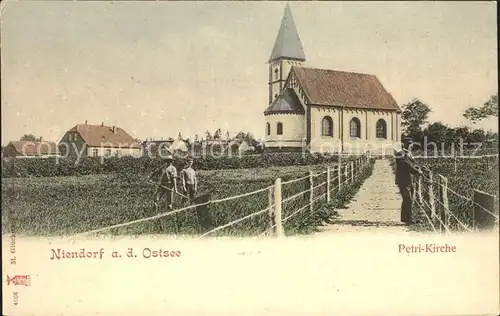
189,180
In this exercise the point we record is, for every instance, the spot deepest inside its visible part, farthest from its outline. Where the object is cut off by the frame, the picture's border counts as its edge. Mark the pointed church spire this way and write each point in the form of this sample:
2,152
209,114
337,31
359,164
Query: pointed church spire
287,42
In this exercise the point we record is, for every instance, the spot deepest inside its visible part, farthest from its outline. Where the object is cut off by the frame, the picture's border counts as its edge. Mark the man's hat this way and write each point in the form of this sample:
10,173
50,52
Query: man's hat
398,147
407,141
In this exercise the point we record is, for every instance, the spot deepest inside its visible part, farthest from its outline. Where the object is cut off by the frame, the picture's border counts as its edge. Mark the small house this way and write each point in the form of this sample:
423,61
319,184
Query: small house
97,141
30,149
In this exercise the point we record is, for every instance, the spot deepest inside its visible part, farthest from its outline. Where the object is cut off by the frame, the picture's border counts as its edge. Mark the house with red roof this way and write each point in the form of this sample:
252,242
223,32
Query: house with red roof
98,141
324,110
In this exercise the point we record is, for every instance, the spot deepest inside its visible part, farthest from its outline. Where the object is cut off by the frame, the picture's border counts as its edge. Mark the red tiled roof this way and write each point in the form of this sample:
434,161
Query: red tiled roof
32,148
98,135
332,87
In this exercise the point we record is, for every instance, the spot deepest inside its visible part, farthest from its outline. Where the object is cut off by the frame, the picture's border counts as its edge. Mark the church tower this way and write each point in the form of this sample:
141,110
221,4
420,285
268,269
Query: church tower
287,52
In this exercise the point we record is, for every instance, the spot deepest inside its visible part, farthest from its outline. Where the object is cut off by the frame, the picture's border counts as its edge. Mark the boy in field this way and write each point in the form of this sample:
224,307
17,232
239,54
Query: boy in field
189,180
167,183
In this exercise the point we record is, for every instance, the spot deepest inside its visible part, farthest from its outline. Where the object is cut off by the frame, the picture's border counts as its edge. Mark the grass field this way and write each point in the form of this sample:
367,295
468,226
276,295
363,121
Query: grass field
74,204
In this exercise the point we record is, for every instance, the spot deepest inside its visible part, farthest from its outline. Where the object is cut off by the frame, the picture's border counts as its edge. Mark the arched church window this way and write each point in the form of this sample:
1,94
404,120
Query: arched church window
355,128
268,129
275,95
381,129
275,73
327,126
279,128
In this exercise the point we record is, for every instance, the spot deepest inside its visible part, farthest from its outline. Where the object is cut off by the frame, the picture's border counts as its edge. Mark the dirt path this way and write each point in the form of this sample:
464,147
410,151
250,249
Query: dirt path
376,206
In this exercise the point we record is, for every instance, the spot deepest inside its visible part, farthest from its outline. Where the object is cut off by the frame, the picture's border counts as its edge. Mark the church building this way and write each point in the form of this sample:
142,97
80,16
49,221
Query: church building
324,110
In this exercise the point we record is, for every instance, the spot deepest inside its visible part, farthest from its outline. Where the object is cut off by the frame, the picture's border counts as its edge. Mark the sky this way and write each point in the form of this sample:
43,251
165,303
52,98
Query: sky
160,68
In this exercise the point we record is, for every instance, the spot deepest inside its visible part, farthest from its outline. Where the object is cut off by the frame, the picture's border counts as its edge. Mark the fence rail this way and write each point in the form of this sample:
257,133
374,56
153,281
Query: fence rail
431,195
335,178
456,157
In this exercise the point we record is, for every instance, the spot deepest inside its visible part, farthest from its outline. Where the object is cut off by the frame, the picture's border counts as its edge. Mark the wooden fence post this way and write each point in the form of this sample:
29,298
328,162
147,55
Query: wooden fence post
413,190
311,192
446,203
272,218
328,184
339,173
443,200
484,207
420,189
346,174
203,213
277,208
352,171
431,196
439,206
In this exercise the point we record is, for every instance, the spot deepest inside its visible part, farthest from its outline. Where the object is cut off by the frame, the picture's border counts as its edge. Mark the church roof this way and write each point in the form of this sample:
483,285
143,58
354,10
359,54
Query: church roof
339,88
287,43
286,102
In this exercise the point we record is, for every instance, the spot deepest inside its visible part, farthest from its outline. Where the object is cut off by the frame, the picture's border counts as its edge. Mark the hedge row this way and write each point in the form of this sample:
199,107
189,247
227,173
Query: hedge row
50,167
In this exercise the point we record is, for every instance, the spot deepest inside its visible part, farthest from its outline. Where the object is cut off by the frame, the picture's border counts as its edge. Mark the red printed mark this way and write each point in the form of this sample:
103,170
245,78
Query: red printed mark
19,280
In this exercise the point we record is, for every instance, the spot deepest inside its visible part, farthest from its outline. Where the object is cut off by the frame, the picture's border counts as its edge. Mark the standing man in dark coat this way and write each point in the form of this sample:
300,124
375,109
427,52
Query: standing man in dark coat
404,169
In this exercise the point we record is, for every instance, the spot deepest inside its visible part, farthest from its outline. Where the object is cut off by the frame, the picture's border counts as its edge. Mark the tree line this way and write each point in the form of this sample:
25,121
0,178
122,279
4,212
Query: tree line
218,135
418,128
415,123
